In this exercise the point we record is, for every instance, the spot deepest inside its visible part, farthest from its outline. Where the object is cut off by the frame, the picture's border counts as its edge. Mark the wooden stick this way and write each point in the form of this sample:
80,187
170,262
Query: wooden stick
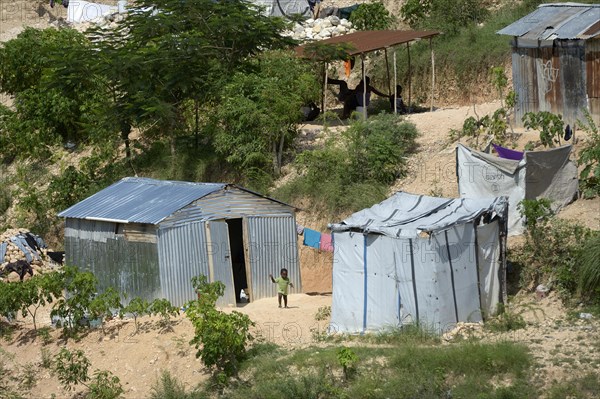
362,61
409,78
395,85
387,67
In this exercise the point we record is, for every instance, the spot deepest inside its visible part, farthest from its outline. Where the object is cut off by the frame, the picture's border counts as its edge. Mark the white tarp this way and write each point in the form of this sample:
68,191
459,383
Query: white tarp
83,11
438,279
540,174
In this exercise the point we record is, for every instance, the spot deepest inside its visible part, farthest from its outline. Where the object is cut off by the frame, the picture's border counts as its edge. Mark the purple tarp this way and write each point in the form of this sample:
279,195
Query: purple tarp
508,153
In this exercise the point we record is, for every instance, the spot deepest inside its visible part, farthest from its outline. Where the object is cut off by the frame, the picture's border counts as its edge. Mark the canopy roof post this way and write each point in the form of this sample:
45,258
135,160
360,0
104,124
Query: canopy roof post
362,62
409,77
387,67
432,74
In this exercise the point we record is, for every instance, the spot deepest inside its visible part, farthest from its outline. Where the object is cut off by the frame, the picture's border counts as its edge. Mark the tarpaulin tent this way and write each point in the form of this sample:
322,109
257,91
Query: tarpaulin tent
280,8
540,174
418,259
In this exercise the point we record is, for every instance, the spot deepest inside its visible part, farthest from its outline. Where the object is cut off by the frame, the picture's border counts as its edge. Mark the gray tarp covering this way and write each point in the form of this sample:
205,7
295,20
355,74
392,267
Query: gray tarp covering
540,174
278,8
386,275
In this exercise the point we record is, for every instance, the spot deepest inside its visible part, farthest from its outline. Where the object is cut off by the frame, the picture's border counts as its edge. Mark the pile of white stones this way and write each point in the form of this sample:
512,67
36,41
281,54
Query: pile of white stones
319,29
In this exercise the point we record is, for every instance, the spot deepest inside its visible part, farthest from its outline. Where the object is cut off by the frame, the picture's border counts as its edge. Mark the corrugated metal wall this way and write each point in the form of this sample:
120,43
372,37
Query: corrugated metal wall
592,59
227,204
553,79
129,267
183,255
272,245
219,255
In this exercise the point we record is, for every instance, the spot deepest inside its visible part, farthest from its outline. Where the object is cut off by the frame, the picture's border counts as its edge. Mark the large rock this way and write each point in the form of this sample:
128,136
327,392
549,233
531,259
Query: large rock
13,277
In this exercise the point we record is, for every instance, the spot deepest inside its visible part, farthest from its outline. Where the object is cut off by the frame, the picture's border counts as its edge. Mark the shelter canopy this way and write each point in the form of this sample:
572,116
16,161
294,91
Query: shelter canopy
372,40
406,215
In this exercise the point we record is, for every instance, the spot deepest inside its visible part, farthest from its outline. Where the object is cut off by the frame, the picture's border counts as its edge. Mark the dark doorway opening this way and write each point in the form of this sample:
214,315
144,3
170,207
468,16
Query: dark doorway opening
238,260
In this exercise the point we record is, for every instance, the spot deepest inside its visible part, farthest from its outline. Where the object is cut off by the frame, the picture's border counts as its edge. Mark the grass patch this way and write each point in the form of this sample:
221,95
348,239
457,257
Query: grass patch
403,369
584,387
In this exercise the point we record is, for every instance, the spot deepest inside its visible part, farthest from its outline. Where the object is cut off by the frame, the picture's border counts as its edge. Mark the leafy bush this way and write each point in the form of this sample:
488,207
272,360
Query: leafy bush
220,338
163,308
102,306
551,126
323,313
72,369
353,171
448,16
79,291
589,157
552,250
137,307
168,387
36,292
506,320
348,360
372,16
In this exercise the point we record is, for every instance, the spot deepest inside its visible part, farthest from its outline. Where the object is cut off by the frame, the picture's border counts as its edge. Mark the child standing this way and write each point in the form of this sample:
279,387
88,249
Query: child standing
282,286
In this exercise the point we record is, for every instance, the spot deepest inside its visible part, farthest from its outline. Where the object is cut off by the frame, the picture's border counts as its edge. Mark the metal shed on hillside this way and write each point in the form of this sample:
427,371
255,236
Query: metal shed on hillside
556,60
149,237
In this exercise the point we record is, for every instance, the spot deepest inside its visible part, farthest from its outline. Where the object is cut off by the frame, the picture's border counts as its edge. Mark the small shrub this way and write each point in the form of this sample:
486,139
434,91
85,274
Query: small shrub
220,338
589,157
137,307
348,360
45,335
46,356
506,320
163,308
72,369
551,126
168,387
323,313
101,307
80,290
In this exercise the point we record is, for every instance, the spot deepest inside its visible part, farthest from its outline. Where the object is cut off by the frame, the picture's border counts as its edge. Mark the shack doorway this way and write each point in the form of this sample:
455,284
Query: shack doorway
238,260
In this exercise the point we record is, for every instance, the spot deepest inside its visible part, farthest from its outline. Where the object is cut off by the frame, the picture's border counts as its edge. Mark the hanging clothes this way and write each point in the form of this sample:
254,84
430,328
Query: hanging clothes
507,153
312,238
326,242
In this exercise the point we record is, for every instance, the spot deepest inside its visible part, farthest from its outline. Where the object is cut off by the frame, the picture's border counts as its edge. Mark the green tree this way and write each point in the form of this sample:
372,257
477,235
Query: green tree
261,109
36,292
372,16
446,15
168,52
79,289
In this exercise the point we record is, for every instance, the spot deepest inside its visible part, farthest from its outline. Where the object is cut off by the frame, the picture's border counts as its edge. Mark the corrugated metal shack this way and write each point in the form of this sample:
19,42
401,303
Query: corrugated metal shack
149,237
556,60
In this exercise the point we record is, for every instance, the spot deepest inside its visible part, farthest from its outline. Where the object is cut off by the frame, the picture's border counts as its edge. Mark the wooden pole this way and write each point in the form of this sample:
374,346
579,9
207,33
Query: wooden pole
364,76
432,73
395,85
409,78
387,67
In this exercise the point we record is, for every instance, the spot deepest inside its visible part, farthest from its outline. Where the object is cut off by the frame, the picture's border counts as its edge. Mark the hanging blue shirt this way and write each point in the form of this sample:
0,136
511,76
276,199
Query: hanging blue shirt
312,238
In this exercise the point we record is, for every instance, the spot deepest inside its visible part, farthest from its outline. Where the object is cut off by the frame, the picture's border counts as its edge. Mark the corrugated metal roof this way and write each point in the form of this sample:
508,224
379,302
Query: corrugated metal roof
557,21
143,200
371,40
139,200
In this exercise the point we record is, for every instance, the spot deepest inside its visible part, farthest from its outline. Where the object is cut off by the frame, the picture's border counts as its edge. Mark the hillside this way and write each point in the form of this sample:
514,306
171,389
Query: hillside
542,346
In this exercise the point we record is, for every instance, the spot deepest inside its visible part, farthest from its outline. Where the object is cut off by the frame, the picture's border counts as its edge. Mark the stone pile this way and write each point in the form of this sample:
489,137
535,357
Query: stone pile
37,258
320,29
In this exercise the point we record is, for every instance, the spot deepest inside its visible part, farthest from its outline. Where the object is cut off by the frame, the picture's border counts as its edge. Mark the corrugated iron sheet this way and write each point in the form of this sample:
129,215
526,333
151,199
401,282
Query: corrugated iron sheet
129,267
272,245
371,40
182,254
557,21
140,200
219,255
89,230
229,203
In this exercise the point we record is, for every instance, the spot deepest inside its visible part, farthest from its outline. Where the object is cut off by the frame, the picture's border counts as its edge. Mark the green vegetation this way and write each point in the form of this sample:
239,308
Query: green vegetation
551,126
589,157
372,16
352,171
556,253
72,369
220,338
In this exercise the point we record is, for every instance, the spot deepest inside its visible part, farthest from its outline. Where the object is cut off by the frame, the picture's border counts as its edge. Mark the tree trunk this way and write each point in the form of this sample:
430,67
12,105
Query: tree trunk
275,158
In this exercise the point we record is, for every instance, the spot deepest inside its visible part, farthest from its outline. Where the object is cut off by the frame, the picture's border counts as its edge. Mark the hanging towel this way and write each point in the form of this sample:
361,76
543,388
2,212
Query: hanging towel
508,153
326,243
312,238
